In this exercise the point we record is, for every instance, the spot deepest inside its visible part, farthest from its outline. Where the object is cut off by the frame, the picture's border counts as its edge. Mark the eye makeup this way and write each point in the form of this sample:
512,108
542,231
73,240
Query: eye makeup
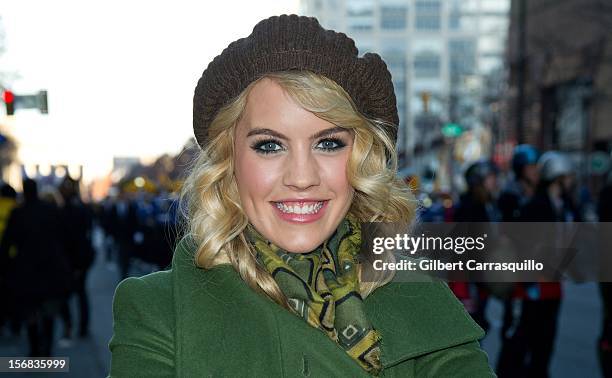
267,146
270,145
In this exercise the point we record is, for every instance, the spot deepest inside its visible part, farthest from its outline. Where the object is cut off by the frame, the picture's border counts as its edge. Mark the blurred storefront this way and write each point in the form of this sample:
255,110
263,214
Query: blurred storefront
560,93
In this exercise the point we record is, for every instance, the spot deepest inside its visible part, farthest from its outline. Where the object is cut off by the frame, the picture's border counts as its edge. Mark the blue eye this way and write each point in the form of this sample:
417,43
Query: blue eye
331,144
267,147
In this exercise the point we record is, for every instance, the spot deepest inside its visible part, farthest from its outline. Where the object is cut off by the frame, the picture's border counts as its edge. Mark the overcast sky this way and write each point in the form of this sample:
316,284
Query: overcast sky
120,74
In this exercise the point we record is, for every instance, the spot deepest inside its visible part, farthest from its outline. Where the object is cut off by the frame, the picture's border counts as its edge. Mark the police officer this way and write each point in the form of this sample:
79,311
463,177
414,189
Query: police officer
515,195
537,328
518,191
477,205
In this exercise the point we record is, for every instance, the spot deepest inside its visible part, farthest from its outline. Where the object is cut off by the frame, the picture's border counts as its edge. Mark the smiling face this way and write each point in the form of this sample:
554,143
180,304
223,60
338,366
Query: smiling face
290,168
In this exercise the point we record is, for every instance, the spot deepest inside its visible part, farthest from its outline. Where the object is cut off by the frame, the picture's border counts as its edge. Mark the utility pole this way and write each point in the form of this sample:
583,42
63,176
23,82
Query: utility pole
521,70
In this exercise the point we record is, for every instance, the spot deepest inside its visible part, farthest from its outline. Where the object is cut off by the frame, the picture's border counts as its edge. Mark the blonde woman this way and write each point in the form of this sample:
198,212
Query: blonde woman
298,147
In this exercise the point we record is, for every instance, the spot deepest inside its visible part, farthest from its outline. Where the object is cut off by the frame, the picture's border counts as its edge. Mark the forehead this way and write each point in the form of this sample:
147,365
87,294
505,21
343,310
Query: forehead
269,106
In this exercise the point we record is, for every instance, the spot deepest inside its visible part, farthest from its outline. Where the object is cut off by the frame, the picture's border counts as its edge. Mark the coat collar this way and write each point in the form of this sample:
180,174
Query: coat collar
414,318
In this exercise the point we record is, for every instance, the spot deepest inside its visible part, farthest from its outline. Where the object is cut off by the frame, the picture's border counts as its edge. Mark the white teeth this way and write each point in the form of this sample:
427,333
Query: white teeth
297,209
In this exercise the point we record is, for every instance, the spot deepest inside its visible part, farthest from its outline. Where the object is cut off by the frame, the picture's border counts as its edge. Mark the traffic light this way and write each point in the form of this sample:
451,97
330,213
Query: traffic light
9,101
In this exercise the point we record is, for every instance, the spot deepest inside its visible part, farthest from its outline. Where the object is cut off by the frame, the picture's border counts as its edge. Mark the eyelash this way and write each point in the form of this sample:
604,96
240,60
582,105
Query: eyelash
257,146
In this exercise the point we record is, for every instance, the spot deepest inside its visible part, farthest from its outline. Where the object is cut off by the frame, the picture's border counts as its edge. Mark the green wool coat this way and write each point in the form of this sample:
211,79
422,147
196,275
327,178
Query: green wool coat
190,322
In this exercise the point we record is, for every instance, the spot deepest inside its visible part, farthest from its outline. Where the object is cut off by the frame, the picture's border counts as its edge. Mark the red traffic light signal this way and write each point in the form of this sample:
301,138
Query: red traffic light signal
9,101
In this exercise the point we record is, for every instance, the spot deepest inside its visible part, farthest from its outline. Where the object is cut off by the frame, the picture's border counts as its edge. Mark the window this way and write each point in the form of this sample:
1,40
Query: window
395,59
393,17
360,15
427,65
400,91
360,26
428,14
462,57
454,17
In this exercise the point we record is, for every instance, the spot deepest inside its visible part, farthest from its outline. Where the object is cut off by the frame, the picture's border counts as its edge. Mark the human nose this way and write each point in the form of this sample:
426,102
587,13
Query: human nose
301,171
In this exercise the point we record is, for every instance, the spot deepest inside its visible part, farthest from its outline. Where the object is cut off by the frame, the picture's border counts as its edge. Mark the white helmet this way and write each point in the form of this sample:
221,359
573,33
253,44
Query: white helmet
554,164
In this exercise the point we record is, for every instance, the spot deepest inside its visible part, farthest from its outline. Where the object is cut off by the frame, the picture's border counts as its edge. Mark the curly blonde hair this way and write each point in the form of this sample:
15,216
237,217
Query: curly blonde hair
216,221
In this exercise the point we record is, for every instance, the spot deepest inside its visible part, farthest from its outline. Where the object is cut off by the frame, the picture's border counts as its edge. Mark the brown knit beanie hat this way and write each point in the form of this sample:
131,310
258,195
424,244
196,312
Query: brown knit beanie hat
291,42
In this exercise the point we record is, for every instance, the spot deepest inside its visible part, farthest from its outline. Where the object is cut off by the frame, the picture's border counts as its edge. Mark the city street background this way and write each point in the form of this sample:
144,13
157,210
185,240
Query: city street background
504,116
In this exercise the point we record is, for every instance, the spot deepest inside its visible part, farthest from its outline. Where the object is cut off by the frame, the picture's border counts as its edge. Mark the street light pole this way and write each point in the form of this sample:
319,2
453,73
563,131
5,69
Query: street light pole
521,68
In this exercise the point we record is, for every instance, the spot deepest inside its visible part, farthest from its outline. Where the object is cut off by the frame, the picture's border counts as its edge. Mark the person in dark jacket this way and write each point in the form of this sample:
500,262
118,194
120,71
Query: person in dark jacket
553,201
125,219
39,275
78,220
515,195
537,327
477,206
520,190
8,201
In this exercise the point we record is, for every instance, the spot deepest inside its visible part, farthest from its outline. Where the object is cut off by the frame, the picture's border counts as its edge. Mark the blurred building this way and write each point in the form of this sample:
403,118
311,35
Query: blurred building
439,52
560,94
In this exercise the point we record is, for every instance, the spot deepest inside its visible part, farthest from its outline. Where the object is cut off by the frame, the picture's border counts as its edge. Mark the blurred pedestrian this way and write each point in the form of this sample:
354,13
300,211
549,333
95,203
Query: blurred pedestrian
109,227
78,220
38,276
125,219
477,206
478,203
537,328
513,198
553,200
8,201
523,185
50,194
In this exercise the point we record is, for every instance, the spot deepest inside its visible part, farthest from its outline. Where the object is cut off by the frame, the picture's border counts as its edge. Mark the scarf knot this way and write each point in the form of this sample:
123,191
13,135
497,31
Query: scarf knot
322,287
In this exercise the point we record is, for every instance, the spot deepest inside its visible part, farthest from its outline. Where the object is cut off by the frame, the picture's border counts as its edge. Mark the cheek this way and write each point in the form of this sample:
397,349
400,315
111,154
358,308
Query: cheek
255,177
333,173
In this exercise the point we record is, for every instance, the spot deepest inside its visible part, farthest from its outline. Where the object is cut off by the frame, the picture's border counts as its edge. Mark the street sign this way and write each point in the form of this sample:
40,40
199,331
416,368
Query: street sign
452,130
26,101
600,162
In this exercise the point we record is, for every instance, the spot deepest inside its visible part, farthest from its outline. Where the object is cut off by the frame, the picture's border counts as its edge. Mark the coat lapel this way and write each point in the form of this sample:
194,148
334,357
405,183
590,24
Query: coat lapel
416,318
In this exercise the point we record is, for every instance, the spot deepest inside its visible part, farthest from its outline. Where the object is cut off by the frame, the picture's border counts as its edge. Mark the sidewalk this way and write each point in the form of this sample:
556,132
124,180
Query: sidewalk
579,324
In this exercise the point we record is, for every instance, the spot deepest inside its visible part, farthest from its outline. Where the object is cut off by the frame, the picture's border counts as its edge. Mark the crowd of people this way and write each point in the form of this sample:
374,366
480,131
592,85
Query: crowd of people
541,188
47,251
139,225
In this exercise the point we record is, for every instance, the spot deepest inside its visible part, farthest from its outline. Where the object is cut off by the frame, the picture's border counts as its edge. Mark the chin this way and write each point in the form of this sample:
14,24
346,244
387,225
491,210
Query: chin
293,247
302,241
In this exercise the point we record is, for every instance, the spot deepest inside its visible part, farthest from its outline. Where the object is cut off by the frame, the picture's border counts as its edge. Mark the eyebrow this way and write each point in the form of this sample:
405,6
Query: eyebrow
320,134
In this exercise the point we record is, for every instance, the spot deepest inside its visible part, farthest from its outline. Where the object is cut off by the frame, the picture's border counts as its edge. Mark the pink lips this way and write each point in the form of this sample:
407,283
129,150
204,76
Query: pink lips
300,218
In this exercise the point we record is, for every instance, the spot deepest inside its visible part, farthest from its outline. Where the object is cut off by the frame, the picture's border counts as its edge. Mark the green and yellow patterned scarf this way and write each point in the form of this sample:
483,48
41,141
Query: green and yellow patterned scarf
322,287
